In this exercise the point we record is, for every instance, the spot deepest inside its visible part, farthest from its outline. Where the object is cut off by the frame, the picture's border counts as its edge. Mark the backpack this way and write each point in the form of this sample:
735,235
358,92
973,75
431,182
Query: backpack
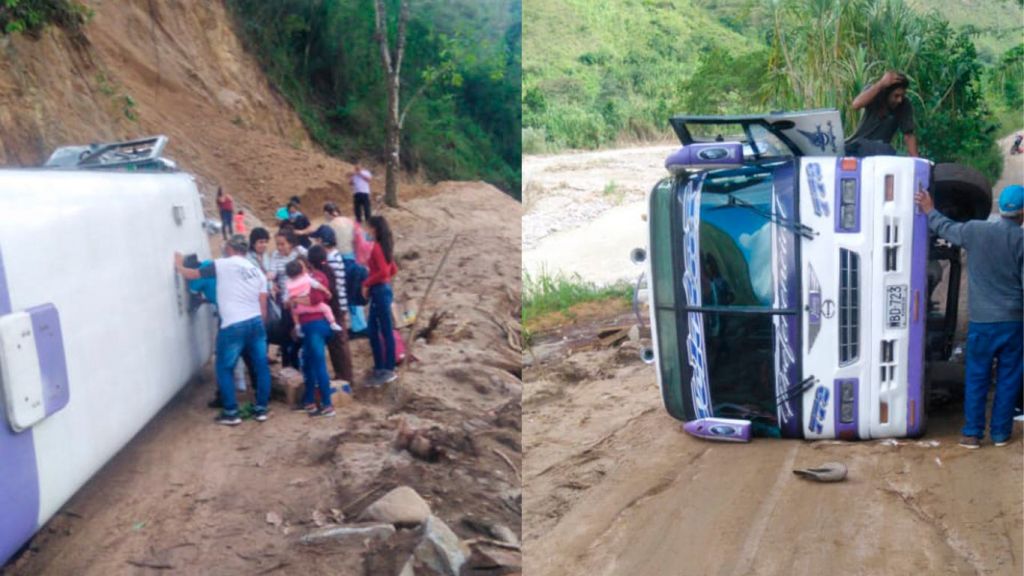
355,274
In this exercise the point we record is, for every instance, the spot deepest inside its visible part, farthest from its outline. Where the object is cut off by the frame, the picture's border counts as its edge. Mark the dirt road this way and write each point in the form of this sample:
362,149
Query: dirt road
190,497
582,211
614,486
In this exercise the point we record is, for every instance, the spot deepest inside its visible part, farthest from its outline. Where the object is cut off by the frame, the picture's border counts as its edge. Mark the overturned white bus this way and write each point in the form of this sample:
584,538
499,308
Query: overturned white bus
96,331
790,287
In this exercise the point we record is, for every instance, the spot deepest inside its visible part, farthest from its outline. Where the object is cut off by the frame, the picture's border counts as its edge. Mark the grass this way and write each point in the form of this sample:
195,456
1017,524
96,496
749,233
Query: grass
545,294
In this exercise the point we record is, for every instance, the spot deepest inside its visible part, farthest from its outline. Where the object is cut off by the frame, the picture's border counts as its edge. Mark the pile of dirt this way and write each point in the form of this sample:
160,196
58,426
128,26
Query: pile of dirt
193,497
164,67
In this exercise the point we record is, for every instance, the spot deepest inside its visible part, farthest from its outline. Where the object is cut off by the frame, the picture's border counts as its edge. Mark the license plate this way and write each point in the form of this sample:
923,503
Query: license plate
896,306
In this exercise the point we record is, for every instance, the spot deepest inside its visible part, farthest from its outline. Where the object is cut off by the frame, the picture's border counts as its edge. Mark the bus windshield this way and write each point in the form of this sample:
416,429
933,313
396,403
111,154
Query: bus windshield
742,259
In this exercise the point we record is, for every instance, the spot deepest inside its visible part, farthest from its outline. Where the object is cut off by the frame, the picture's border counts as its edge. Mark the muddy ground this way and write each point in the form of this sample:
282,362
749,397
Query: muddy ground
190,497
614,486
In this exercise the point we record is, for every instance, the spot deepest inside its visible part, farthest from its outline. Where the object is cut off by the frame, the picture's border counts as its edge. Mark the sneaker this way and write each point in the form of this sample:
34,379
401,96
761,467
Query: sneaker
336,327
228,420
388,376
373,379
324,413
1001,442
1019,418
215,403
260,414
970,442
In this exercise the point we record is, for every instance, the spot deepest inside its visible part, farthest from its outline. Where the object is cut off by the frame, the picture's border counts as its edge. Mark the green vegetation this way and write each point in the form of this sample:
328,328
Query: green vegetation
31,16
546,294
823,57
597,73
462,66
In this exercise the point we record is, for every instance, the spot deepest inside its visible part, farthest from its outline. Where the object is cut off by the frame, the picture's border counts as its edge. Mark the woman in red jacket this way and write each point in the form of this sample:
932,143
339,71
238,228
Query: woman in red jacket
377,289
316,331
226,205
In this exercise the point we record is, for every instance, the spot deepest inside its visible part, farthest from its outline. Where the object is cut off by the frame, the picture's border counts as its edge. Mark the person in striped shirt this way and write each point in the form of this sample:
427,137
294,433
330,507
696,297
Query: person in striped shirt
334,265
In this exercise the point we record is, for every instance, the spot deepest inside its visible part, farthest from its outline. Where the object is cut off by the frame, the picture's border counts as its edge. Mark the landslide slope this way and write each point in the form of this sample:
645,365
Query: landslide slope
159,67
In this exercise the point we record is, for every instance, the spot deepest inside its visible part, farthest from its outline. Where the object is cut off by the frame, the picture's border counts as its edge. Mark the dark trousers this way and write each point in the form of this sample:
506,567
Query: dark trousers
865,148
337,347
242,338
226,224
289,346
382,336
361,204
1004,343
314,365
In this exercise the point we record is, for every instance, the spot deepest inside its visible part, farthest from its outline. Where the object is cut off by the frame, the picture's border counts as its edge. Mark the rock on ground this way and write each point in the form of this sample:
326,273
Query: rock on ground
400,506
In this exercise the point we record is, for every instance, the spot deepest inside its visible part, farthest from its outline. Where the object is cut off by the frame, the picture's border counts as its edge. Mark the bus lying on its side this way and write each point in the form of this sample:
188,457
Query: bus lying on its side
790,287
96,333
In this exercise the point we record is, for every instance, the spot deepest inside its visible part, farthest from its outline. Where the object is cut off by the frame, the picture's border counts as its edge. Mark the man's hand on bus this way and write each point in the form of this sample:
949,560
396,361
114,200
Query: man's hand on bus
924,201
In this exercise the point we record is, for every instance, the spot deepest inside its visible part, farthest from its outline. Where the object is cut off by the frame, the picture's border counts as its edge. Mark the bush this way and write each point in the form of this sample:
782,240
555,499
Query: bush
31,16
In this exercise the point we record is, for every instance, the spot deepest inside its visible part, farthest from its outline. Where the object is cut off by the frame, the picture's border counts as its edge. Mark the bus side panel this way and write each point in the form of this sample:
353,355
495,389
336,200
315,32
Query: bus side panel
19,476
129,339
916,417
668,325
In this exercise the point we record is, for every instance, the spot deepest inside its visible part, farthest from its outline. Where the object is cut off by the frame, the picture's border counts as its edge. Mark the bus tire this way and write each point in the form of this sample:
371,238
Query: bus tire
960,192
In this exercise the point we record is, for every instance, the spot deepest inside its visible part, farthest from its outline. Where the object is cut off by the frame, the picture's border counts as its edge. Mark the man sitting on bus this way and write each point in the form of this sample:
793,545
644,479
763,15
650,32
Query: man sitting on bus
886,109
995,258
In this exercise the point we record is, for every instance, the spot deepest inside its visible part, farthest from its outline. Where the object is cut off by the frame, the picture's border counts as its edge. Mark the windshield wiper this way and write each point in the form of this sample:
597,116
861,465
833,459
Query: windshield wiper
796,390
794,227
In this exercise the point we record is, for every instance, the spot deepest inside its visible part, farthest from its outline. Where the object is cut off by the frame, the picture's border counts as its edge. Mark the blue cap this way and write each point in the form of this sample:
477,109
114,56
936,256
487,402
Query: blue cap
1011,200
326,235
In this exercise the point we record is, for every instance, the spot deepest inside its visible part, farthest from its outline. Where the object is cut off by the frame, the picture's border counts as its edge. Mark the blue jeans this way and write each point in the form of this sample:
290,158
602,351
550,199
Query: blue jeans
1003,341
381,334
250,338
314,361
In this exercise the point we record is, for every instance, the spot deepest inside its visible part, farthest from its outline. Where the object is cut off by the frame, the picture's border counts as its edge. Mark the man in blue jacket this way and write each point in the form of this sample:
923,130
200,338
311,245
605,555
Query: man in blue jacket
995,259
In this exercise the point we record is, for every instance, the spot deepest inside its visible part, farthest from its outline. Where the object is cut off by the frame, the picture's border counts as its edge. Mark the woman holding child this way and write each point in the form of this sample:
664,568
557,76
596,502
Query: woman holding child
316,326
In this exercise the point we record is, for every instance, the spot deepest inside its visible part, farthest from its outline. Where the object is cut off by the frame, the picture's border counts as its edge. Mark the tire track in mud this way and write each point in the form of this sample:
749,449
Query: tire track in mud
752,542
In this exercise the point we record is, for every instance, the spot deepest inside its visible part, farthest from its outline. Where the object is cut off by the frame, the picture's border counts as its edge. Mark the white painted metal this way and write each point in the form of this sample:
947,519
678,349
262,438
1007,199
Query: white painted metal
99,246
20,376
822,256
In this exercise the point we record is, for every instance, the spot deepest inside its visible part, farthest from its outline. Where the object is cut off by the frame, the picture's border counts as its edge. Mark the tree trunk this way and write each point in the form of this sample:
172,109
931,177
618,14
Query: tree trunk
394,142
392,65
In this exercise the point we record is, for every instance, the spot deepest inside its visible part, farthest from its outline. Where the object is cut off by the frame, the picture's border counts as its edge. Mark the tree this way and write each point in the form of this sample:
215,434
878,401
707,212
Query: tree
392,63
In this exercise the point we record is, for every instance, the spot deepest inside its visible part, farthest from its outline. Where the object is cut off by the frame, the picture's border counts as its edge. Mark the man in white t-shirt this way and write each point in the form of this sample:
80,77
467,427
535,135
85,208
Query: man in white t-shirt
242,306
360,178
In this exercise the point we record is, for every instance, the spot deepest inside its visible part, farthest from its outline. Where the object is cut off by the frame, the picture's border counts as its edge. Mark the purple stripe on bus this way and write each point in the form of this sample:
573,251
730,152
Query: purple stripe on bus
918,308
50,350
19,477
784,183
848,430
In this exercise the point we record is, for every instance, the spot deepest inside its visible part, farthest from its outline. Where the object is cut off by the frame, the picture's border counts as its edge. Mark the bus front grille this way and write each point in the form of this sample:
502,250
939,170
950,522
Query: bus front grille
849,306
